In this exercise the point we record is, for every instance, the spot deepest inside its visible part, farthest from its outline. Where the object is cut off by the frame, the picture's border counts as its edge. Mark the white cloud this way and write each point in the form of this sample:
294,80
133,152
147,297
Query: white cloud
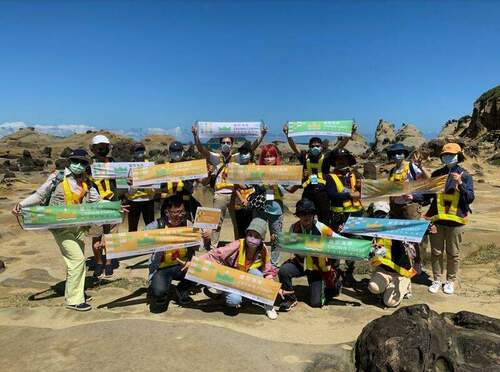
54,129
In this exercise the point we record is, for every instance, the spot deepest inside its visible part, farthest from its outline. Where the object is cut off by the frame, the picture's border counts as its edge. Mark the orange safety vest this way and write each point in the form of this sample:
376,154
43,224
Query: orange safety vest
447,208
349,205
387,259
242,263
73,198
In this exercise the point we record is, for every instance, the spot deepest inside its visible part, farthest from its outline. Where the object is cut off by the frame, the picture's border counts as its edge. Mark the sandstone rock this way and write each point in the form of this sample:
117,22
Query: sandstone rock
455,128
27,154
123,151
9,174
61,164
357,145
47,151
415,338
410,136
385,135
66,152
2,266
370,171
486,112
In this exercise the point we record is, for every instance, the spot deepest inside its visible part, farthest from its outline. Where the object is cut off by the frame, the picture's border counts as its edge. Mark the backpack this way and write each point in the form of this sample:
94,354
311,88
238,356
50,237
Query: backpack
56,181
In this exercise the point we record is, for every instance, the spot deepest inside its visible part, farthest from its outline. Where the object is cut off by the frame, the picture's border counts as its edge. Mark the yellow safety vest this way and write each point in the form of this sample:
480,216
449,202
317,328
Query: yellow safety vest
348,205
260,262
447,208
276,191
387,259
69,196
402,175
171,190
169,258
141,193
315,263
223,173
310,166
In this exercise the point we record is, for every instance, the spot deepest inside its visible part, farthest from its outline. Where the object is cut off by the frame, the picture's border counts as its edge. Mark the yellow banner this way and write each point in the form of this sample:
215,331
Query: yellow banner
207,218
169,172
232,280
149,241
377,188
265,174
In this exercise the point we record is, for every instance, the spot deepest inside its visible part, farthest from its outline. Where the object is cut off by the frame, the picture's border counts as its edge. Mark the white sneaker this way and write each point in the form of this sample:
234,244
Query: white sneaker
271,314
449,288
435,286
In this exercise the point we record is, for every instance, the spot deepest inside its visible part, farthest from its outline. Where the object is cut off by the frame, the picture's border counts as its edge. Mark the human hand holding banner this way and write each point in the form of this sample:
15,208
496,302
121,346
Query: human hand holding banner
170,172
342,128
59,216
143,242
209,129
405,230
377,188
319,246
264,174
231,280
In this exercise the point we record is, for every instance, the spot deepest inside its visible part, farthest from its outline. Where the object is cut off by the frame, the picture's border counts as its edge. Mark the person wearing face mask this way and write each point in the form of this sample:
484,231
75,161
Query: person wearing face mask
141,201
100,147
243,214
170,265
273,207
406,171
71,186
183,188
344,190
448,213
249,255
319,270
220,161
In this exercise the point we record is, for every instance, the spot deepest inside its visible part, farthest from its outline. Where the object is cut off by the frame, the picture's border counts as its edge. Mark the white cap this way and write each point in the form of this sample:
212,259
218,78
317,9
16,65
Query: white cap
381,206
100,139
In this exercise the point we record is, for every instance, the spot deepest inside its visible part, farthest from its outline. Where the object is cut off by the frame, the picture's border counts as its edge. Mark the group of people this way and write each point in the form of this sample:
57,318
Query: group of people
331,193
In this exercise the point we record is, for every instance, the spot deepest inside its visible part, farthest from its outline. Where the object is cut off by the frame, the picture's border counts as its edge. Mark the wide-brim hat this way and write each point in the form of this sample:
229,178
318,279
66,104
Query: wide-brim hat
304,206
339,153
397,147
259,226
454,149
79,154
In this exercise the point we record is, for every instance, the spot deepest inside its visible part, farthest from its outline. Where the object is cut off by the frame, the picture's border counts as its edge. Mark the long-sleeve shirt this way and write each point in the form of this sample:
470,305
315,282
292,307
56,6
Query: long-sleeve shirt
228,256
57,197
466,190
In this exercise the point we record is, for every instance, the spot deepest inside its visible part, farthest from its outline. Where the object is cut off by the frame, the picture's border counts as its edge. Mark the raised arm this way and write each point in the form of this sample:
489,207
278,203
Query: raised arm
203,151
342,142
258,141
291,142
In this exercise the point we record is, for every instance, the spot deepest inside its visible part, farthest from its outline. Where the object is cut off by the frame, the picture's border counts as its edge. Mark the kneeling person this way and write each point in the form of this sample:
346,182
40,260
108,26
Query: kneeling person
318,270
249,255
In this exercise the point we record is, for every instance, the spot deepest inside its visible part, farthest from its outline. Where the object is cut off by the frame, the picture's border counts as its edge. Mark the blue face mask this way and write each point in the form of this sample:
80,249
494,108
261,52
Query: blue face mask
449,159
315,151
399,156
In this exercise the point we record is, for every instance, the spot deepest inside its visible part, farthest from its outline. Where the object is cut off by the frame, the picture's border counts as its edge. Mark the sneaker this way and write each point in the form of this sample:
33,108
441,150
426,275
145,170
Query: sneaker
449,287
435,286
271,313
108,270
98,270
288,303
183,297
231,310
81,307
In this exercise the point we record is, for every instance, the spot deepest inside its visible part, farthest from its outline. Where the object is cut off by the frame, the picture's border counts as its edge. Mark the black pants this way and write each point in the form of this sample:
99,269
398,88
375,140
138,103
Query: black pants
147,208
292,269
243,219
319,197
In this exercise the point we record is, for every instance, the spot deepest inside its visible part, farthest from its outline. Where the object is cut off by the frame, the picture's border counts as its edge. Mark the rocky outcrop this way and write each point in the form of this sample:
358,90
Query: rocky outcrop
357,145
455,128
385,135
410,136
486,113
415,338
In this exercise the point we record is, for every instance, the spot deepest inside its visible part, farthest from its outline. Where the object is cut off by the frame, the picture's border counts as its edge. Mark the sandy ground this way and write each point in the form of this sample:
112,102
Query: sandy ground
38,333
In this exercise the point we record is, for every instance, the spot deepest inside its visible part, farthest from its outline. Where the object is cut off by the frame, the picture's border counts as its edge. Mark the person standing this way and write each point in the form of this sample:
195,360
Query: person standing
448,213
220,162
71,186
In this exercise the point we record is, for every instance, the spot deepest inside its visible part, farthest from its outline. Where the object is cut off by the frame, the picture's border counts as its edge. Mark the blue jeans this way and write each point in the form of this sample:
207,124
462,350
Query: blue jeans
234,300
162,279
275,222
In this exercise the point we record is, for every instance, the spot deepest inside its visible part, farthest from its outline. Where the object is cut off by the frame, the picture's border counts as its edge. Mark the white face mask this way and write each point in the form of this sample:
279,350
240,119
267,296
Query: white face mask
225,148
399,156
253,242
245,159
77,168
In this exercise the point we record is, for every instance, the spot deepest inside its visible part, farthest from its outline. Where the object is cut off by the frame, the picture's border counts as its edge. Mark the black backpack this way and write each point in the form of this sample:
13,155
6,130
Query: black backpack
56,181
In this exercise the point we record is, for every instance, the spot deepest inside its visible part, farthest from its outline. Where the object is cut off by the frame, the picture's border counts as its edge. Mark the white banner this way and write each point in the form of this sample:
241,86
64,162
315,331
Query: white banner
211,129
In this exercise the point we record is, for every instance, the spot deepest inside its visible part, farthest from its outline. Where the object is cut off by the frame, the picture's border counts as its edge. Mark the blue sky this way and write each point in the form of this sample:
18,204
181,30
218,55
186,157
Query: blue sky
120,65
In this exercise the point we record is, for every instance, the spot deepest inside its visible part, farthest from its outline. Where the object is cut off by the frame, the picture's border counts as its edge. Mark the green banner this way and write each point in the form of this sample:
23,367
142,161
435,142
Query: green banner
57,216
319,246
320,128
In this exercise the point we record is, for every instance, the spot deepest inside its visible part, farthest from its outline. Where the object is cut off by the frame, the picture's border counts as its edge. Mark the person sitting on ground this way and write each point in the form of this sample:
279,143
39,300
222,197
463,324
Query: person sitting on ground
249,255
394,269
170,265
318,270
71,186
